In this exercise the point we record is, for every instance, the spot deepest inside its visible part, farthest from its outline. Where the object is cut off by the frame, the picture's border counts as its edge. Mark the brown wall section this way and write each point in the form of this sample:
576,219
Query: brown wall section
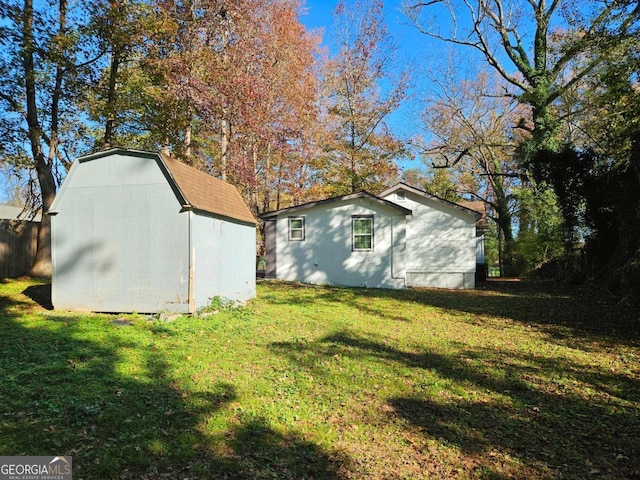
18,243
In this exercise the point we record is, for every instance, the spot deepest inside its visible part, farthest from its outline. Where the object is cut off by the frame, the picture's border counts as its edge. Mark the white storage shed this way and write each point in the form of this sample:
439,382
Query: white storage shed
140,231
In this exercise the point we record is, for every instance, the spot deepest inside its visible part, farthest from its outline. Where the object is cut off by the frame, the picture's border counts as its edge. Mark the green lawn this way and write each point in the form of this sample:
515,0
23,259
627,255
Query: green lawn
513,380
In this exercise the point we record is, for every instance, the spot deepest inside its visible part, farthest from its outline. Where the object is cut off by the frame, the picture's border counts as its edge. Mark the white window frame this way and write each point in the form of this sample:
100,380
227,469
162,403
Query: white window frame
354,219
291,229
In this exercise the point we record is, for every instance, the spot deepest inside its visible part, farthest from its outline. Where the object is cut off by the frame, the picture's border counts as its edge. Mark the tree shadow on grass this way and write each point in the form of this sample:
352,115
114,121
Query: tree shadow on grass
514,414
71,385
266,453
568,315
41,294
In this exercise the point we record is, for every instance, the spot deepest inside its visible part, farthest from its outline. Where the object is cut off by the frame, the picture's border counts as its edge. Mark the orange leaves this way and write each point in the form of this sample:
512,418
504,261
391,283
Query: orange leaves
359,149
245,75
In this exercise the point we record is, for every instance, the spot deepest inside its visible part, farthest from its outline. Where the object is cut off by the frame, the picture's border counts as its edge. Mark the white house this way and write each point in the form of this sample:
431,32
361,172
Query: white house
401,238
445,240
140,231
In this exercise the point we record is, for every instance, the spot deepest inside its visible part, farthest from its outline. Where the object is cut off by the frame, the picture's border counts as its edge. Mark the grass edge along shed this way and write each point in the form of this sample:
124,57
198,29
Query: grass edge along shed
136,231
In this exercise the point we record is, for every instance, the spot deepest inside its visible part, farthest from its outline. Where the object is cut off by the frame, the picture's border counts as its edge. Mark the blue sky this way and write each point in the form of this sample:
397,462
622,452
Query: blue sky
416,51
410,41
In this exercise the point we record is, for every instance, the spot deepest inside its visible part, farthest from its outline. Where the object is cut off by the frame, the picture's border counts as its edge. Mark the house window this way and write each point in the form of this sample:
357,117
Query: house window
362,228
296,229
400,195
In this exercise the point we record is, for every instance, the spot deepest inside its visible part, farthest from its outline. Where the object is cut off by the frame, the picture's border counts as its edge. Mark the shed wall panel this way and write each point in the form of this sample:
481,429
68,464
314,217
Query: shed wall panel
225,255
120,242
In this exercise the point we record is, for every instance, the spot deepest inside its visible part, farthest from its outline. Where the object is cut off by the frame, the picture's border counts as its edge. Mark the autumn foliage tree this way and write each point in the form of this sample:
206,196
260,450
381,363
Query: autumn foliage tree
244,74
556,56
362,88
542,49
525,43
229,86
469,129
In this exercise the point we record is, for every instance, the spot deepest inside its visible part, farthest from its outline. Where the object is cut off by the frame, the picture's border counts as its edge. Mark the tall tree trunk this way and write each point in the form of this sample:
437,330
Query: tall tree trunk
352,155
42,265
110,108
501,252
225,134
187,142
254,187
225,125
505,250
266,199
505,230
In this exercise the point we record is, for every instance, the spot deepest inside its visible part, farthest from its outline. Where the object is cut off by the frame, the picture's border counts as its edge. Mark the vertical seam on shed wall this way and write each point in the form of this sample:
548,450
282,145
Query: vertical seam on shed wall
54,256
192,265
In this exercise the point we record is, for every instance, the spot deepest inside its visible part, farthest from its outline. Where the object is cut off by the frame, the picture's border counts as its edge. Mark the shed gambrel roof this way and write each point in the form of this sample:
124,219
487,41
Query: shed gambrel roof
203,192
194,188
353,196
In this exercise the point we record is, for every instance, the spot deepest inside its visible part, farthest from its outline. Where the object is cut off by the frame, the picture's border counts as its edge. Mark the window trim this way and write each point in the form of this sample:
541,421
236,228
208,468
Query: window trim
353,233
301,229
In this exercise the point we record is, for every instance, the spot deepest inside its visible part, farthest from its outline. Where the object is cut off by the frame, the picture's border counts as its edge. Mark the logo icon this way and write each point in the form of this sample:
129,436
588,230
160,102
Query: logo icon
58,467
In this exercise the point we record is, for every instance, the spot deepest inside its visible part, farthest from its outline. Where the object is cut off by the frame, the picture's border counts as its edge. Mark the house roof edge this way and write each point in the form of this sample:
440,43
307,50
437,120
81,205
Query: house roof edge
428,195
352,196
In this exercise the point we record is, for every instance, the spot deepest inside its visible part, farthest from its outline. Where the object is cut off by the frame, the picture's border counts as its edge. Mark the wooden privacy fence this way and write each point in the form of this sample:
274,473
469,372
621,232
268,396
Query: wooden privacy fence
18,243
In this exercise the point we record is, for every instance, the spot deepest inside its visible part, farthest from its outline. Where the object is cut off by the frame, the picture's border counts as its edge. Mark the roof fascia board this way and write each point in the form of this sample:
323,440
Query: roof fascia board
429,196
342,198
117,151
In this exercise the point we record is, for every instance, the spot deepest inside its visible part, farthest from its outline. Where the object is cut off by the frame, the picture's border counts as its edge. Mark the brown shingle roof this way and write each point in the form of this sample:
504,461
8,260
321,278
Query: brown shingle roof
206,193
477,206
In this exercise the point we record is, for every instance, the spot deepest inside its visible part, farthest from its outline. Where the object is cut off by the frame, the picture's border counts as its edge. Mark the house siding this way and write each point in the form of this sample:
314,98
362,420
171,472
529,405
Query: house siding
326,256
441,244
